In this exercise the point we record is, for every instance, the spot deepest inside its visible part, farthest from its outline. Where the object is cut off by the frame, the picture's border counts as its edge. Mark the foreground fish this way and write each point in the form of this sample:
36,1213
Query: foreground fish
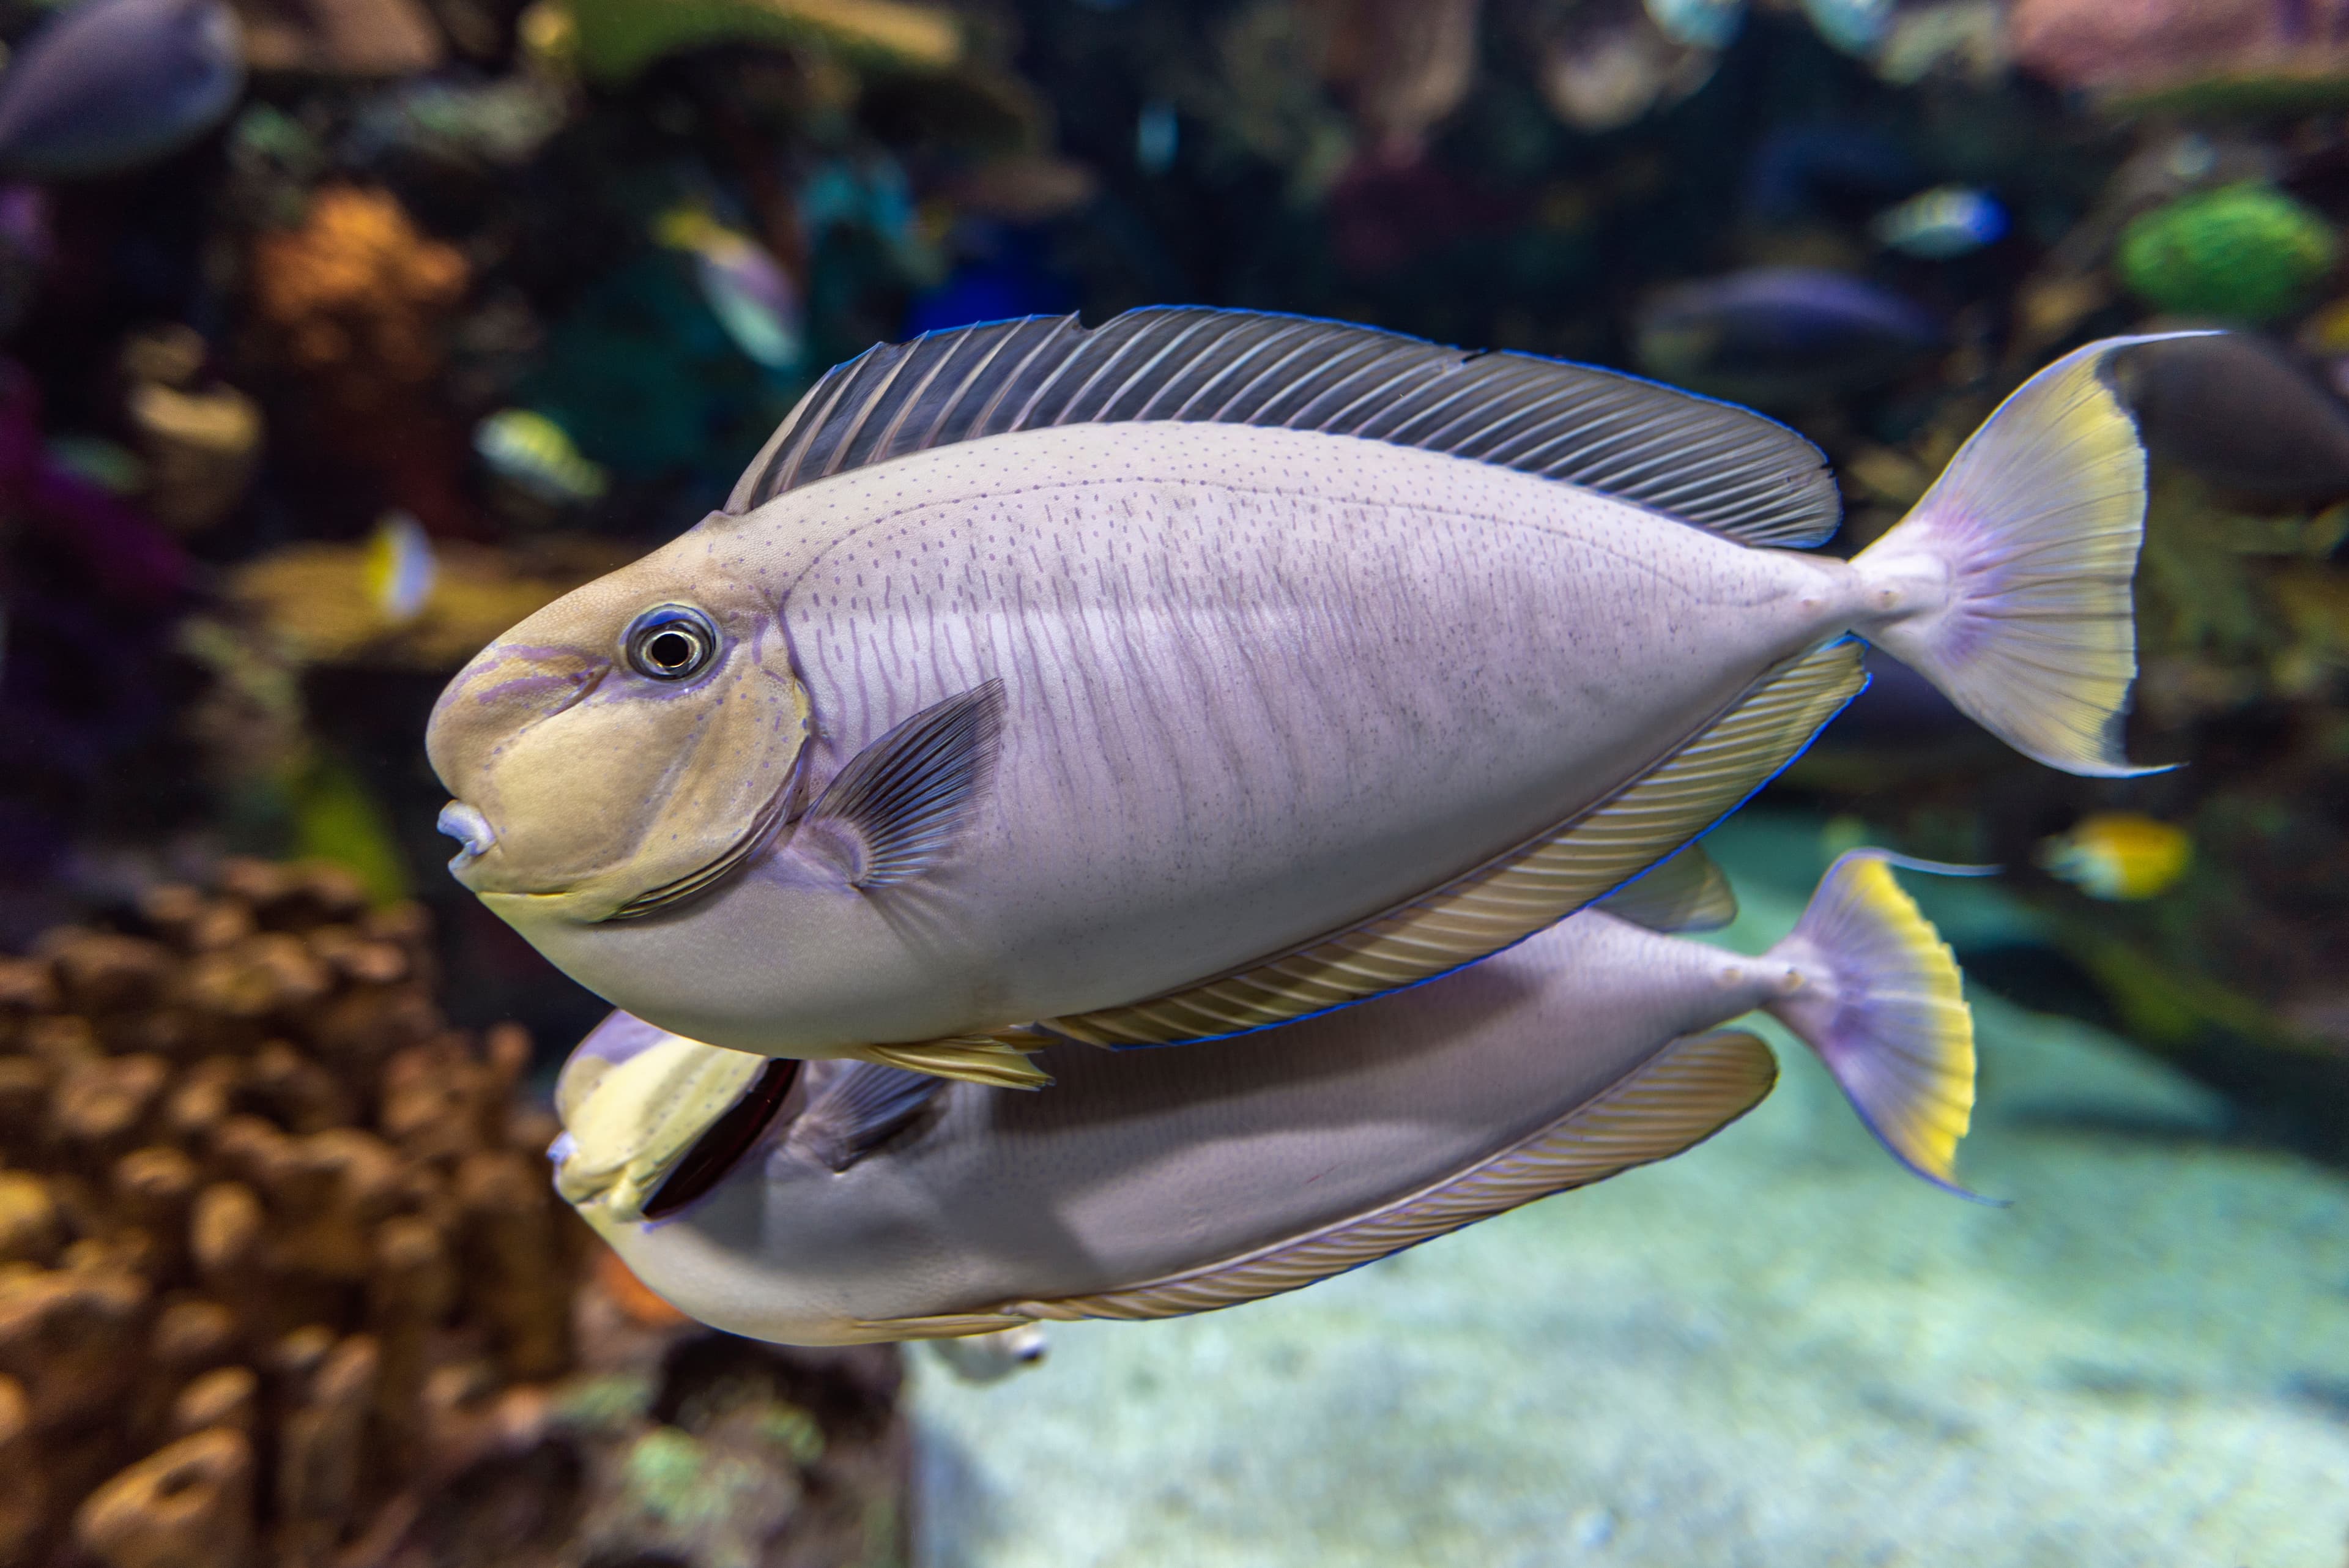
1209,671
841,1201
112,84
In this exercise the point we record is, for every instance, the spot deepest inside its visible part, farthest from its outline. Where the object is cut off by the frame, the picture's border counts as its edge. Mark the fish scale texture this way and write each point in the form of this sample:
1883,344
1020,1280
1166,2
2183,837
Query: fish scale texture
1775,1352
1256,693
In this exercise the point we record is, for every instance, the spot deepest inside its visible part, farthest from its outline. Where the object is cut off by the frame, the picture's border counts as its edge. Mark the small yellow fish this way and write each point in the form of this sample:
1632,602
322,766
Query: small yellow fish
536,455
2119,856
400,569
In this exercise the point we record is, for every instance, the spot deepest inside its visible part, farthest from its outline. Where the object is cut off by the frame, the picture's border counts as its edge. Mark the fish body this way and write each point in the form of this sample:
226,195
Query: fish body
1855,26
743,284
1778,336
1152,1183
1097,715
537,455
995,1355
1698,24
109,85
1946,222
2240,411
402,568
2120,856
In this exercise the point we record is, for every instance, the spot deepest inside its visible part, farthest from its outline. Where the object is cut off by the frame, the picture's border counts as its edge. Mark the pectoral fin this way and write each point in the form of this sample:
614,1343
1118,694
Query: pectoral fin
1686,1093
1532,886
857,1107
894,810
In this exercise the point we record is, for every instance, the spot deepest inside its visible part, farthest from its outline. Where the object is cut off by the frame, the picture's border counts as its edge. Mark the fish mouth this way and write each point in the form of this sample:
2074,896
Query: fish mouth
716,1153
761,832
470,829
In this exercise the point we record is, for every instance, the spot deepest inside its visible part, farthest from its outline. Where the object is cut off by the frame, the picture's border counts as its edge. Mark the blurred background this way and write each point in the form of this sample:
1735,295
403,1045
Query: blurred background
336,336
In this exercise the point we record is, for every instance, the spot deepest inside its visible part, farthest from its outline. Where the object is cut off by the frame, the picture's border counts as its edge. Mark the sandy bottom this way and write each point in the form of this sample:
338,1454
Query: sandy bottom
1777,1349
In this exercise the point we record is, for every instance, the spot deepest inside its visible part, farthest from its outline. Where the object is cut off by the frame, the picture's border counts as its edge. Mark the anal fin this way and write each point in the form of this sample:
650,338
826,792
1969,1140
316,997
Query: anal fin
1000,1060
1528,889
1685,893
1687,1092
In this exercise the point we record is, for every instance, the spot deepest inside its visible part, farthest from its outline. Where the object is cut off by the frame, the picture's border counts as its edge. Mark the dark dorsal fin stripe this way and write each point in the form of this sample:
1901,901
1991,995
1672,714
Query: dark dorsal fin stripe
1704,462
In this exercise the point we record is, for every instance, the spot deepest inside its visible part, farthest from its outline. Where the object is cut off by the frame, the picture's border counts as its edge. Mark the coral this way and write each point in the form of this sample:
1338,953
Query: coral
201,443
356,294
341,37
2244,252
1403,65
2138,47
283,1280
613,40
353,306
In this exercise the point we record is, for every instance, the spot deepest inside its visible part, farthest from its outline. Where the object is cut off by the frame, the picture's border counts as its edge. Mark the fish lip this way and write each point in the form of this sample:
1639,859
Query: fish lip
470,829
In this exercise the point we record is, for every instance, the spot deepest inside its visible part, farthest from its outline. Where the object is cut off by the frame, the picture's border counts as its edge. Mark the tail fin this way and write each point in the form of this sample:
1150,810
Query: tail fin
1881,1002
2007,586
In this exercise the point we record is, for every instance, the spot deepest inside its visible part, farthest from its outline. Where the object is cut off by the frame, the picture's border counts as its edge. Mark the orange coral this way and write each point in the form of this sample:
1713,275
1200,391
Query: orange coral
358,294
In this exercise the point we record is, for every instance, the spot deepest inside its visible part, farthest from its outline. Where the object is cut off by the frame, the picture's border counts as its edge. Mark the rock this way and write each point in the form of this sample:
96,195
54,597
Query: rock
189,1506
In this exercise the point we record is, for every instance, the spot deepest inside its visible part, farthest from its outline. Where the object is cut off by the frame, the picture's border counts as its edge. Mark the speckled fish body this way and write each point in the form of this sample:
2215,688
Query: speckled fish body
1152,1182
1257,685
1245,686
112,84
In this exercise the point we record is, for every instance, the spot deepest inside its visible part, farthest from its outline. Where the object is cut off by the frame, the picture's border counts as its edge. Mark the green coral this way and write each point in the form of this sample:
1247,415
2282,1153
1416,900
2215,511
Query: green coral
2245,253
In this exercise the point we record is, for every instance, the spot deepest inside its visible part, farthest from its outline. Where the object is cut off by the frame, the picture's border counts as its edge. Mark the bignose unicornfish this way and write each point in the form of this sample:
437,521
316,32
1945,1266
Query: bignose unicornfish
1207,671
831,1201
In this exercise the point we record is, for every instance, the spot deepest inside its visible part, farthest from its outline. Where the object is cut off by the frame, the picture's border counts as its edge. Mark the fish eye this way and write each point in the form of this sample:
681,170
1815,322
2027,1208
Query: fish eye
674,642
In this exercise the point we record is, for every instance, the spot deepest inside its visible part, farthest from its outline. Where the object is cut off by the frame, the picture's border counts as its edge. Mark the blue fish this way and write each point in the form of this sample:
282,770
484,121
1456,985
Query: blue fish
1698,24
1855,26
114,84
1937,224
1781,337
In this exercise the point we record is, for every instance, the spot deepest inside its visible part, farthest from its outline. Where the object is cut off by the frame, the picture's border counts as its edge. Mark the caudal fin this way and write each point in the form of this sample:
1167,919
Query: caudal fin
2007,586
1881,1000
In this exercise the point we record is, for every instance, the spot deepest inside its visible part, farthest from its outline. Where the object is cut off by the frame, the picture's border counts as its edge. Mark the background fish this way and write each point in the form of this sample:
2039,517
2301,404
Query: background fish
537,456
1781,337
113,83
745,286
2119,856
2240,411
994,1356
843,1201
1944,222
1156,731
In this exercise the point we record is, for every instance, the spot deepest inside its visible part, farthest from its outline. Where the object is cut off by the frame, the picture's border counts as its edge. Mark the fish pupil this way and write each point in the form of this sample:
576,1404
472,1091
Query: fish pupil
671,643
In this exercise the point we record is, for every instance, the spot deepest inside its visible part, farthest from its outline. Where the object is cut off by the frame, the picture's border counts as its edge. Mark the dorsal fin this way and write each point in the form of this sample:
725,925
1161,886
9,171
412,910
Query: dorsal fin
1683,1094
1685,893
1510,898
1712,464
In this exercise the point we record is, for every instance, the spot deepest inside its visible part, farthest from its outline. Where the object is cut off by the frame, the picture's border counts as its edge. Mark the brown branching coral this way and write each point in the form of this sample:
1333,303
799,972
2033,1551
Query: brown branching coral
284,1284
